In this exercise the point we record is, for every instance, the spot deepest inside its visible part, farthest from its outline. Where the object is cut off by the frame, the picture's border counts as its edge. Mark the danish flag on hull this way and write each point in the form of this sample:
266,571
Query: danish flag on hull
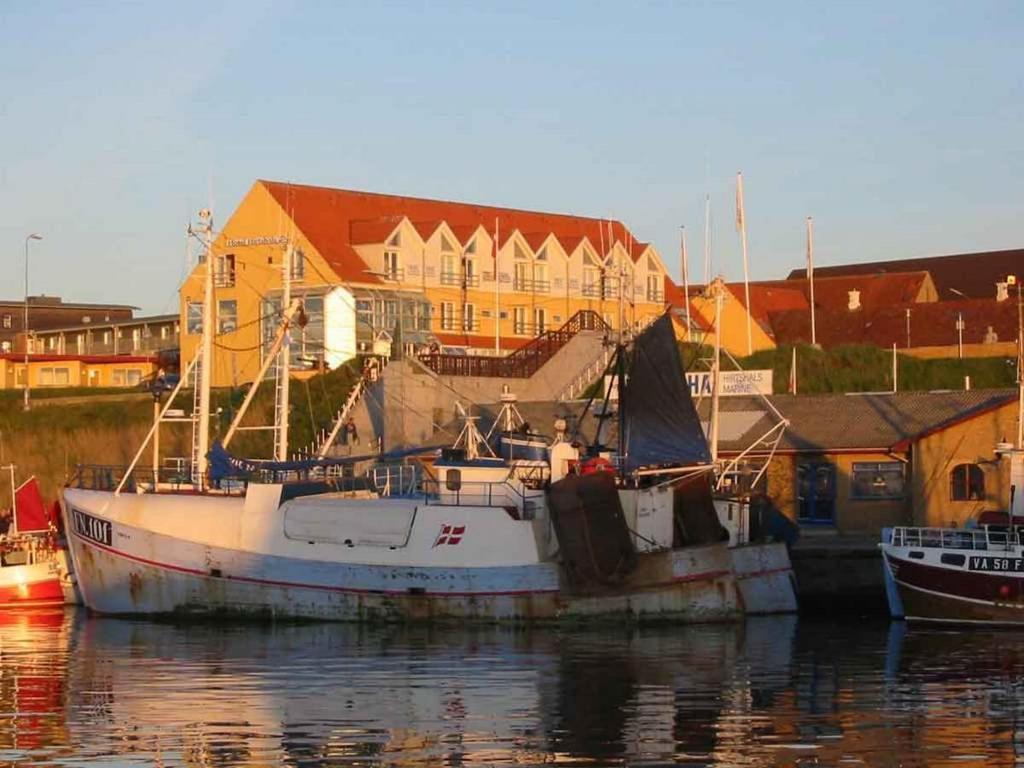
449,534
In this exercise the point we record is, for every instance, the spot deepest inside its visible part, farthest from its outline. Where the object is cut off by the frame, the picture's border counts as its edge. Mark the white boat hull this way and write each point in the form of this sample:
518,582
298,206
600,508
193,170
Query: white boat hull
125,569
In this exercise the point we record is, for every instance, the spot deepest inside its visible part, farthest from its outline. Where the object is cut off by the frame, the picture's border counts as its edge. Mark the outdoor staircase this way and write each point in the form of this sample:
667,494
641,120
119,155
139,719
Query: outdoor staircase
587,376
323,442
522,363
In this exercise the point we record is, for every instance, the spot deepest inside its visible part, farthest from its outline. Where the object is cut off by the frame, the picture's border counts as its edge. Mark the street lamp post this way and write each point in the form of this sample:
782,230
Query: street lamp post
33,236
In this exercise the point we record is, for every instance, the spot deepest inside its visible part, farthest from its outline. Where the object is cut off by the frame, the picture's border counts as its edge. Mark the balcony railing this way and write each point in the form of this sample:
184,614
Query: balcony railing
459,279
655,296
952,538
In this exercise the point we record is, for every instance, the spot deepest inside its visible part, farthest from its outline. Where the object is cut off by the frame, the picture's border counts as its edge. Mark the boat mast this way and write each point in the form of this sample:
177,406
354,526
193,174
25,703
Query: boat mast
717,289
205,368
284,362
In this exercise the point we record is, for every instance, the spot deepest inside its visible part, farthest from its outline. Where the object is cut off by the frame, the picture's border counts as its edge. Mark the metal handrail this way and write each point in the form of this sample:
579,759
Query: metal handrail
952,538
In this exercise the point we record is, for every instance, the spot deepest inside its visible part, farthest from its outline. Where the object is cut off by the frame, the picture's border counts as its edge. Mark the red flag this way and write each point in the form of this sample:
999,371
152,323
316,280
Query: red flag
30,515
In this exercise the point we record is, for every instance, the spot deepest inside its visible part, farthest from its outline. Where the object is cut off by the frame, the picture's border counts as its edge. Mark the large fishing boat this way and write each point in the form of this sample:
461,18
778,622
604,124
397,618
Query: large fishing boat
973,574
631,534
34,565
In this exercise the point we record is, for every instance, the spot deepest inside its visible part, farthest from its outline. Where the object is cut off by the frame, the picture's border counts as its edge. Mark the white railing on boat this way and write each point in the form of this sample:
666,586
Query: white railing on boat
953,538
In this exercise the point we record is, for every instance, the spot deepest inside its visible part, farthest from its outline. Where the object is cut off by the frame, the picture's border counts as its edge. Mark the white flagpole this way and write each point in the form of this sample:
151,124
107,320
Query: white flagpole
497,294
686,279
810,274
792,373
707,240
741,225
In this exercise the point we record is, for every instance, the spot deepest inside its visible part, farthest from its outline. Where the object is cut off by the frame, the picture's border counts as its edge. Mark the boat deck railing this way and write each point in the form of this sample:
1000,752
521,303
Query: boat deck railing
473,494
94,477
953,538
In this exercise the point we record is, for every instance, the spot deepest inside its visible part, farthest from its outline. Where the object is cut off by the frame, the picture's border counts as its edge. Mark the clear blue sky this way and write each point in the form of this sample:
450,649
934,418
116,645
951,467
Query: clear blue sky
898,126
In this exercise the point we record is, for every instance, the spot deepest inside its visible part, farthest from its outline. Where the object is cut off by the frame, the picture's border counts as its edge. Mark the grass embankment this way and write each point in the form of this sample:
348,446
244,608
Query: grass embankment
856,368
51,439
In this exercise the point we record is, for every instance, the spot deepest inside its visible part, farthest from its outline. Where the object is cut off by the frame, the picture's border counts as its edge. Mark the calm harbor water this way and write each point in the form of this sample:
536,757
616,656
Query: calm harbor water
78,690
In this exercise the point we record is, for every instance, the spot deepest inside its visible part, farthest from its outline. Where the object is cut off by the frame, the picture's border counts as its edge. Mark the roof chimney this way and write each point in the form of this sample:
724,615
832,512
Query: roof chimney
853,301
1002,291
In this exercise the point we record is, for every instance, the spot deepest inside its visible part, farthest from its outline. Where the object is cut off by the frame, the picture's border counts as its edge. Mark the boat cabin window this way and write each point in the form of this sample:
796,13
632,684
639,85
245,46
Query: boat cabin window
949,558
453,480
966,483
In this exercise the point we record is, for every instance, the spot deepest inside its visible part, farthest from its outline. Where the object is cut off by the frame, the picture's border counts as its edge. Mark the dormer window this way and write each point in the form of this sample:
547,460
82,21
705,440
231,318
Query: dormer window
446,245
396,240
471,248
519,253
542,254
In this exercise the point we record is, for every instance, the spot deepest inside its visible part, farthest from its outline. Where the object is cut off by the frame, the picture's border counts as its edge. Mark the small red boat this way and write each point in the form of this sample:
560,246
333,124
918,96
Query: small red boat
34,565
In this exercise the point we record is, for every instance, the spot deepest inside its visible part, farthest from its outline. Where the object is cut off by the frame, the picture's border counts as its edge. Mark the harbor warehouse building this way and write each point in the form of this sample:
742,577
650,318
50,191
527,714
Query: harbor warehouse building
375,271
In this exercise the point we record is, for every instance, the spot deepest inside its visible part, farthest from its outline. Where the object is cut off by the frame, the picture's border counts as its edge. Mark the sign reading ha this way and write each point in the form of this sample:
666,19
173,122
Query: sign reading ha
701,383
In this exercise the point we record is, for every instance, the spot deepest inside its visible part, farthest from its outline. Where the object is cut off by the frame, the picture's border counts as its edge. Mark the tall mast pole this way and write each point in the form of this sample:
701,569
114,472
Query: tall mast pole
717,289
810,274
284,368
742,226
707,240
206,360
686,279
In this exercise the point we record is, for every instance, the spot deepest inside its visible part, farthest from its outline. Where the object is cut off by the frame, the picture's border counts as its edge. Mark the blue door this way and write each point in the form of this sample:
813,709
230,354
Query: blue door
816,493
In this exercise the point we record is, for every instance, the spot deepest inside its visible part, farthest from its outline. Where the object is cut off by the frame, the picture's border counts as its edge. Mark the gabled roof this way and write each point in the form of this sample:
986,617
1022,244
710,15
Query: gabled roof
827,423
972,274
932,324
324,215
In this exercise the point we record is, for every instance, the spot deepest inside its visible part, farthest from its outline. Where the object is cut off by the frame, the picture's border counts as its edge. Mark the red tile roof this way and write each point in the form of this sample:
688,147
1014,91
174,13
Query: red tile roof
372,230
792,297
767,297
932,324
325,216
973,274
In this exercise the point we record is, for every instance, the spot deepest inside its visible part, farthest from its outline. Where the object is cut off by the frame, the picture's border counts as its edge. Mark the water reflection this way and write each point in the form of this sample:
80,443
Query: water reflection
774,691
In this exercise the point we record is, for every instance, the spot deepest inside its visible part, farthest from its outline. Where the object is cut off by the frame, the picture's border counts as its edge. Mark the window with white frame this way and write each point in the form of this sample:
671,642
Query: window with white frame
298,265
447,316
8,321
449,269
227,316
224,273
519,279
54,377
540,277
540,320
468,317
392,265
654,291
519,321
471,247
193,319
